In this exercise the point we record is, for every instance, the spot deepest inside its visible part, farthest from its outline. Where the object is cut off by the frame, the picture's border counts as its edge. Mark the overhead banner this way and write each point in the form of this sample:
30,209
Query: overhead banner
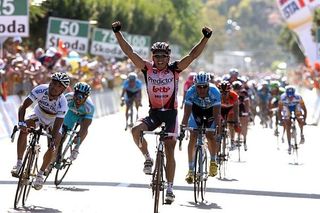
14,18
298,14
73,33
104,43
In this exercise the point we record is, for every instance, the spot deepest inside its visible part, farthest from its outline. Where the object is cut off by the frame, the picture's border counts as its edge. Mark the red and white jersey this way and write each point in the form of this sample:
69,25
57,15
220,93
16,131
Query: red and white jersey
162,86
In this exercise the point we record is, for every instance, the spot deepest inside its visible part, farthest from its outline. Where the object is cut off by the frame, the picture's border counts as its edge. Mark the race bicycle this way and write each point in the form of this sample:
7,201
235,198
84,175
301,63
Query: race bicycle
63,162
29,168
223,154
200,169
158,183
294,140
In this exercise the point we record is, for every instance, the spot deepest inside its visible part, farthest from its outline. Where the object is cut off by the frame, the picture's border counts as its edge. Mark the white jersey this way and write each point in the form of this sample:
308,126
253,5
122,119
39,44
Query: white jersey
48,108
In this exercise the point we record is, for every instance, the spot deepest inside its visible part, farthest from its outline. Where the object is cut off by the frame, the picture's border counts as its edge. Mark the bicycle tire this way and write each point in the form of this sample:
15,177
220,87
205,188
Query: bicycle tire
65,164
23,178
20,185
294,145
223,155
196,173
32,170
205,173
157,181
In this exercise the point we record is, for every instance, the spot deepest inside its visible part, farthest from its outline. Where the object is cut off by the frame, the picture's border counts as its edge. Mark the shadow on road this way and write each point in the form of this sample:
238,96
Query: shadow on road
203,205
188,188
34,209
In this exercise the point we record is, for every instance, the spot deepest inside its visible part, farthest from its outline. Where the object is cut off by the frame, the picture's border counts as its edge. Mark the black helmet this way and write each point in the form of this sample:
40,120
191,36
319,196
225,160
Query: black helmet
161,46
224,86
236,85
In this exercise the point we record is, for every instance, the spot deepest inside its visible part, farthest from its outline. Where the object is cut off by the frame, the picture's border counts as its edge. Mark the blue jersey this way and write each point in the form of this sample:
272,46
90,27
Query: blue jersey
74,114
202,107
134,89
212,99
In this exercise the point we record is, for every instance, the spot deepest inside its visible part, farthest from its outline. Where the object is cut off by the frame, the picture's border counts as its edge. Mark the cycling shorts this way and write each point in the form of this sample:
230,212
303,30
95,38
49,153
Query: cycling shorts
156,117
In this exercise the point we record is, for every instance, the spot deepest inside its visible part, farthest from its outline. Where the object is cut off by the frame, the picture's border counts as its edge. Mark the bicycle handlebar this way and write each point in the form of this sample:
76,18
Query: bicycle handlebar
29,130
200,129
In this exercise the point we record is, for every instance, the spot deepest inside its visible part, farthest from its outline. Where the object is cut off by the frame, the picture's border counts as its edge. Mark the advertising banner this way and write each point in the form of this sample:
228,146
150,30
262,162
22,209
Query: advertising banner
298,14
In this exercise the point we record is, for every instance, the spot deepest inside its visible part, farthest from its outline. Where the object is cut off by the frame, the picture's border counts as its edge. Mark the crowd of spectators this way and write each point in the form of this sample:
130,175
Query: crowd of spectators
21,69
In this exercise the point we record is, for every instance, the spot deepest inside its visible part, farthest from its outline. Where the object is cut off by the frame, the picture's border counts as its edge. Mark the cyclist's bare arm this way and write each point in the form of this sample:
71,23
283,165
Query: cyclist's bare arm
55,130
186,114
304,108
194,53
127,49
84,126
22,109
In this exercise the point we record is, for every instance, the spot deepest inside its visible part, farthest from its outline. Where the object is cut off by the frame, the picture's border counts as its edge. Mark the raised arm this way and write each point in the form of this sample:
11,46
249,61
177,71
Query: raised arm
196,50
125,46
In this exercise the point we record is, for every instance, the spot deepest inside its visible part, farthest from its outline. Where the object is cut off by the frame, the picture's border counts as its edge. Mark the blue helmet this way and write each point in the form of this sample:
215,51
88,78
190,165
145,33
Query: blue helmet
290,91
201,78
82,87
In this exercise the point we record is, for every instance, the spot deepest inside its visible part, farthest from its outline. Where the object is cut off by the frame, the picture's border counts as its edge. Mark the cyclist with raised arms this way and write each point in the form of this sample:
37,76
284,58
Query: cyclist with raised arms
81,110
162,86
131,92
49,111
202,100
290,102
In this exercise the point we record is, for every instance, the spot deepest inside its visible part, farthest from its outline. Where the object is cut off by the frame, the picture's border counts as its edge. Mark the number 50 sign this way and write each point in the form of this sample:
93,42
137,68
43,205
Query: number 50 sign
74,34
14,18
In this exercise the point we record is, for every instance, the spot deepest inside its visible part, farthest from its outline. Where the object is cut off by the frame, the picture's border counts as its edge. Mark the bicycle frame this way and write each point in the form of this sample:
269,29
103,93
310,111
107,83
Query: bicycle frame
294,144
29,168
200,171
223,154
62,163
158,183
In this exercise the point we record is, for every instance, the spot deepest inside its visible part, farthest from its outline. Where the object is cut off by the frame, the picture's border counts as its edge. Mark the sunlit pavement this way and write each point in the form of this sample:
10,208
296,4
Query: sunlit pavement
108,177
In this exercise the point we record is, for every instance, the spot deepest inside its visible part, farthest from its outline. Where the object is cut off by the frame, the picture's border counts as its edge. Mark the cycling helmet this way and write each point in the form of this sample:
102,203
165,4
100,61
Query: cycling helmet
63,78
274,85
82,87
202,78
161,46
234,71
224,86
132,76
290,91
236,85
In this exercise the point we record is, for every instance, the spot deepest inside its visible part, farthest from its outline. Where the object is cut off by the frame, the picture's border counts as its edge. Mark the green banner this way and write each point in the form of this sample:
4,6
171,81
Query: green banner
13,7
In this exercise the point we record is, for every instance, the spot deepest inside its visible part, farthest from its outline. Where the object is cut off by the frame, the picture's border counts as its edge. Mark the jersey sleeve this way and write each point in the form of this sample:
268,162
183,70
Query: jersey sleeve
37,92
189,96
62,107
217,95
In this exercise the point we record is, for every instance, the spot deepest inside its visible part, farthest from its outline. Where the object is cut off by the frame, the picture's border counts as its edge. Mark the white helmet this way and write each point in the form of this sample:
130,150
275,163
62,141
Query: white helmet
63,78
132,76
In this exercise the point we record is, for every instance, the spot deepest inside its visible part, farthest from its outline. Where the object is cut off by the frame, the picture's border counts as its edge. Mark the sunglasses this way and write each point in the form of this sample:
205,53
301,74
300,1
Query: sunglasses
160,56
202,86
80,96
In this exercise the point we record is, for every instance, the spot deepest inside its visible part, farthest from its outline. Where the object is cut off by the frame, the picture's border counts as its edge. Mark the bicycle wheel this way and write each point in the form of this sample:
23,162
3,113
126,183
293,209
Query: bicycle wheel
23,179
197,174
157,181
64,167
31,170
294,145
204,174
223,156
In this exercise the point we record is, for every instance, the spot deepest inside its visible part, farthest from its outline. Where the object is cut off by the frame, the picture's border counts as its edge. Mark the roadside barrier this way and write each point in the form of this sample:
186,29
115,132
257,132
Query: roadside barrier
106,102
